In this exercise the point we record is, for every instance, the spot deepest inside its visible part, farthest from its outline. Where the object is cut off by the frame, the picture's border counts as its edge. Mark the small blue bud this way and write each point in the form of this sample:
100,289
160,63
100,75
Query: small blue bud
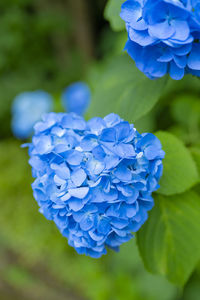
76,98
27,109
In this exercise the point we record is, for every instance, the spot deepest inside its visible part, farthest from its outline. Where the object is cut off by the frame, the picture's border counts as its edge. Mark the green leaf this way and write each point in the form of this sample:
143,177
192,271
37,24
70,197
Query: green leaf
180,171
112,14
169,241
195,151
124,90
192,288
185,110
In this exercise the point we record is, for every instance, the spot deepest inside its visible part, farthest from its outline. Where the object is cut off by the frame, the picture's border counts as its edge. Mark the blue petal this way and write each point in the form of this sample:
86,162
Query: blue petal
122,130
194,58
79,193
61,170
95,167
75,204
182,30
73,122
43,144
78,176
123,173
162,30
108,135
124,150
87,222
74,157
141,37
89,142
176,73
151,152
96,125
112,120
103,226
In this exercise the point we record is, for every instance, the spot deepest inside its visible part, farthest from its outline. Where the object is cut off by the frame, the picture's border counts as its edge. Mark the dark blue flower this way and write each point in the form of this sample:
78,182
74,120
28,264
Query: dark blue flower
27,109
94,179
163,36
76,98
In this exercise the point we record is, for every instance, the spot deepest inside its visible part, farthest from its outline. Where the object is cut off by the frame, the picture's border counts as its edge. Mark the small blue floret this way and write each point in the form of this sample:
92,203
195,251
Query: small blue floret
94,179
27,109
76,98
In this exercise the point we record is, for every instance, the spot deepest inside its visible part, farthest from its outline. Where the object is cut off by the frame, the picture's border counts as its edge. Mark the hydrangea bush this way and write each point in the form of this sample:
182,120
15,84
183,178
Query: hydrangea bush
163,36
94,179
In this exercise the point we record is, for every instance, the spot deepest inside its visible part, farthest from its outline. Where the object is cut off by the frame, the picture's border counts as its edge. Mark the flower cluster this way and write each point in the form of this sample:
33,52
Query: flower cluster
163,36
27,109
94,179
76,98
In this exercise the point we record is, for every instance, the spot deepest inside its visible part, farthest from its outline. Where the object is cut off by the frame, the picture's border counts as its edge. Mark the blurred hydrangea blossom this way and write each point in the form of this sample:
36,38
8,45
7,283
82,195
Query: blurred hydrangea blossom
163,36
27,109
76,98
94,179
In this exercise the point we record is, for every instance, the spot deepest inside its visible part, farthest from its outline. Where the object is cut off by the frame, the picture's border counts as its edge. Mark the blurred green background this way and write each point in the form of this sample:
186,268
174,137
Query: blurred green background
47,45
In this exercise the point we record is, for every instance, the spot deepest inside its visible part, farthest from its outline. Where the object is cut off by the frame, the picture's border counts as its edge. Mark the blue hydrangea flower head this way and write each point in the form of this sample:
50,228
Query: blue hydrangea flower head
94,179
163,36
76,98
27,109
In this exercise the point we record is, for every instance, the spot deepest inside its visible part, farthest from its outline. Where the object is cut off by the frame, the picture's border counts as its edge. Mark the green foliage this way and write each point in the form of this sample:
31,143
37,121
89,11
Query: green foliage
180,171
18,276
169,241
112,14
192,289
185,110
124,90
188,84
195,151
